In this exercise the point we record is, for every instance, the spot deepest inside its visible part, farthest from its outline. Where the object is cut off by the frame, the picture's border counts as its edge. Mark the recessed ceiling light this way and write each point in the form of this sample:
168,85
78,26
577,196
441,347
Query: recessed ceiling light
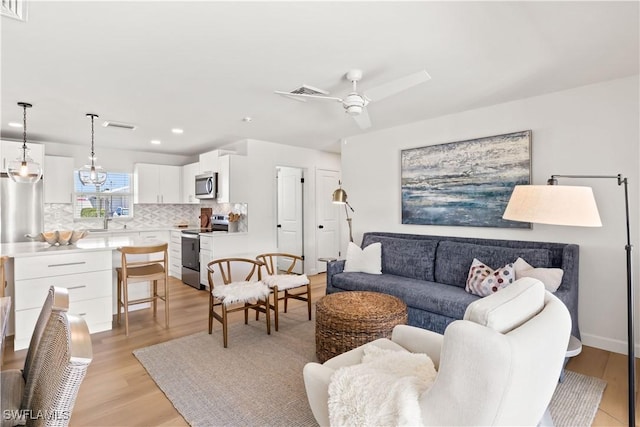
247,119
177,131
15,124
156,141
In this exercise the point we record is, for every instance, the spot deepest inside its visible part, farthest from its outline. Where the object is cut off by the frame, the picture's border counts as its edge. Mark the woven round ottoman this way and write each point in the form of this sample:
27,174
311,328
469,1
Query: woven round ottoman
346,320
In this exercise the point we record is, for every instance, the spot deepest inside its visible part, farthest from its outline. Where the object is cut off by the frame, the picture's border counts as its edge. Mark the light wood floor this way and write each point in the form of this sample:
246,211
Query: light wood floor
118,392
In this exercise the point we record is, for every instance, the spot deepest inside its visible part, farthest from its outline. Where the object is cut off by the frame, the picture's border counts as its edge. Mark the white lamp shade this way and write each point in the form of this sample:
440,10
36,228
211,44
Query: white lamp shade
553,204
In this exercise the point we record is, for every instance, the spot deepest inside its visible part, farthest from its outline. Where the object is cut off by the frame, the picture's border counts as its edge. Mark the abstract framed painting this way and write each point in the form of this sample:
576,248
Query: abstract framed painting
465,183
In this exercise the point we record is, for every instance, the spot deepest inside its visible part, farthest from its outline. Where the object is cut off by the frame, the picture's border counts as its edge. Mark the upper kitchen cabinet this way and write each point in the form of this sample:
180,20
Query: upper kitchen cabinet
58,179
234,179
189,173
11,150
156,183
208,162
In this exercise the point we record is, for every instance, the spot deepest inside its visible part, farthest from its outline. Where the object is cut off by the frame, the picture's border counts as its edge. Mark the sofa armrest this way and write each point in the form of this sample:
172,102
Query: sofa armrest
418,340
316,383
568,290
333,267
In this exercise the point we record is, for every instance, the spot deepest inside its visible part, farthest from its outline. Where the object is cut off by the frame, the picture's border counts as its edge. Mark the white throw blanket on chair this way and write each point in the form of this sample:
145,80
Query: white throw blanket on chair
384,390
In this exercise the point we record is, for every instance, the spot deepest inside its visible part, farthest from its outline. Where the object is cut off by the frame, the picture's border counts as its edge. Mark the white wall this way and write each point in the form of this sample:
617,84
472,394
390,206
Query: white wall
259,189
587,130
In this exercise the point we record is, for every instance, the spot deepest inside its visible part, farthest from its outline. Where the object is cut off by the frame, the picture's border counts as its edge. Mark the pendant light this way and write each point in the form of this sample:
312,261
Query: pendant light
23,169
92,174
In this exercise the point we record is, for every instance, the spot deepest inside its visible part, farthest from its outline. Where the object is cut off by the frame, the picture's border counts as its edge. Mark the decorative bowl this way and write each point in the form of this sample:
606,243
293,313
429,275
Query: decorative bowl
59,237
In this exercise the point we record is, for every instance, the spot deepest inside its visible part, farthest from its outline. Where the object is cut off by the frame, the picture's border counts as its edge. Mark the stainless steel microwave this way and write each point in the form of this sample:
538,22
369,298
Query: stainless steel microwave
207,185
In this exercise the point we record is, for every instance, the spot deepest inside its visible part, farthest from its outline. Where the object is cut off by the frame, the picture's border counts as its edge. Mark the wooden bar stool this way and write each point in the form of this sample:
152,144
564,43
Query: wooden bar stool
134,270
3,274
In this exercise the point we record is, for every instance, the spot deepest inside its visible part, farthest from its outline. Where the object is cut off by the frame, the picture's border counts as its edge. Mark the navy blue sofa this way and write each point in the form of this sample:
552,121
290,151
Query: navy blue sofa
429,273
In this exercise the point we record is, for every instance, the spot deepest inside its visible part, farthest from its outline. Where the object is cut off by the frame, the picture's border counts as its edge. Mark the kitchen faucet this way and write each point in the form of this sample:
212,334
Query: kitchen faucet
106,214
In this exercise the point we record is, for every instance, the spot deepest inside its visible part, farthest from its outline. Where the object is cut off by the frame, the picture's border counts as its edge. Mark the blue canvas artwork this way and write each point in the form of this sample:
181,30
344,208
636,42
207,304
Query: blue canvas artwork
466,183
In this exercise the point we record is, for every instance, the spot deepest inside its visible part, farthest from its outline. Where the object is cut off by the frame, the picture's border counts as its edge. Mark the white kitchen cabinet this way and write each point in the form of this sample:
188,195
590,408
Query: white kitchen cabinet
155,236
189,173
87,276
156,183
206,256
58,179
175,254
208,162
11,150
234,179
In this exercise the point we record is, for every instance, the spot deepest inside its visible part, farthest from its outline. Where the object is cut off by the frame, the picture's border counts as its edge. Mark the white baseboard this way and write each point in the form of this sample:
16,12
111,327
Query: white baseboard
616,346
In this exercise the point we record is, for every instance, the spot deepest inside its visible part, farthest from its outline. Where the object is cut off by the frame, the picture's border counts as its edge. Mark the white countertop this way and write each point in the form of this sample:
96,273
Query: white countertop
98,241
88,244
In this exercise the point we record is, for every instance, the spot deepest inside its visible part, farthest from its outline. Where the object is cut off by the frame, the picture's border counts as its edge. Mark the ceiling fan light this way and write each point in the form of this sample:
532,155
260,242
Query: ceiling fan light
354,110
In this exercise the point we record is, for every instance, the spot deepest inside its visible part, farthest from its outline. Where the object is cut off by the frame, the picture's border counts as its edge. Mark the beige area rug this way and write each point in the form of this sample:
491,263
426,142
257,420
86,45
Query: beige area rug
257,380
576,400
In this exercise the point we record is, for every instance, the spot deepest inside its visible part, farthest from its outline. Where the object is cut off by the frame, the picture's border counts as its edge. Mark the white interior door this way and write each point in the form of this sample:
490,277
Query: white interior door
290,221
328,215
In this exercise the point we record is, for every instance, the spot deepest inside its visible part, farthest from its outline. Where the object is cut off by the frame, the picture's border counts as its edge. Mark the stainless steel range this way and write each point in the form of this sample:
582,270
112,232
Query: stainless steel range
191,248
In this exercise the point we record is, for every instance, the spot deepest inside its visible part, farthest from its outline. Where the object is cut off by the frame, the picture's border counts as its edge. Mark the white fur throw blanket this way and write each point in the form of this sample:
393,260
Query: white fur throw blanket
241,292
285,281
384,390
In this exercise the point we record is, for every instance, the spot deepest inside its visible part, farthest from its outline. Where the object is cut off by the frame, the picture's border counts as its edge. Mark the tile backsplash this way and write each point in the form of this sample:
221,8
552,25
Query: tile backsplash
59,216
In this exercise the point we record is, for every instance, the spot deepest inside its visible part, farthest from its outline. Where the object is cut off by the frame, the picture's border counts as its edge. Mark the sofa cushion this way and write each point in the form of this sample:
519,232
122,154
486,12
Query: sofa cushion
406,257
484,281
433,297
453,259
367,260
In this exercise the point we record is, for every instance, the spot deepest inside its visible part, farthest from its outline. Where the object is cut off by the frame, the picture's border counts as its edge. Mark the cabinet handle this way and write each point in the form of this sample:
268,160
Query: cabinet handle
71,197
82,314
77,287
66,264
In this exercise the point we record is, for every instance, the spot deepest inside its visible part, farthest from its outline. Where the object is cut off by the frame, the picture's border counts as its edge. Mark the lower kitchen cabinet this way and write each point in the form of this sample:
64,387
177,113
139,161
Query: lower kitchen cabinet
175,254
87,276
206,256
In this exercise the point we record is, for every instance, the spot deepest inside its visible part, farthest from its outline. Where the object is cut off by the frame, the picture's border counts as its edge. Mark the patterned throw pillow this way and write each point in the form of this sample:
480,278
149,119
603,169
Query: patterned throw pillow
483,280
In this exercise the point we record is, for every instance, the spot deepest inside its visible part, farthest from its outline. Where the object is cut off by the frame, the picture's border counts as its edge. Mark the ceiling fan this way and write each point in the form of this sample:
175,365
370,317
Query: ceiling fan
355,103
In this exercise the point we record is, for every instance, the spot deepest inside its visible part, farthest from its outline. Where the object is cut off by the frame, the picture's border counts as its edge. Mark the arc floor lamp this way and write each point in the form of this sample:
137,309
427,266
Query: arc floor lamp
340,197
569,205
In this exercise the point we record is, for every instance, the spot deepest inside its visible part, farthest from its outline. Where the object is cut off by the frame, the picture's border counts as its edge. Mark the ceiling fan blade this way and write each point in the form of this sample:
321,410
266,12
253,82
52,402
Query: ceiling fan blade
304,95
363,119
395,86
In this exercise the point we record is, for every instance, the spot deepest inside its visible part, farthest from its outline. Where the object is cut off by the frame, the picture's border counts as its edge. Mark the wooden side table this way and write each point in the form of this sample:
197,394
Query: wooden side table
346,320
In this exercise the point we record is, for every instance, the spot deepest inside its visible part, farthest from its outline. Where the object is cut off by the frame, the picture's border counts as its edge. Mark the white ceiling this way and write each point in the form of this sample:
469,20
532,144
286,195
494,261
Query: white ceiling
203,66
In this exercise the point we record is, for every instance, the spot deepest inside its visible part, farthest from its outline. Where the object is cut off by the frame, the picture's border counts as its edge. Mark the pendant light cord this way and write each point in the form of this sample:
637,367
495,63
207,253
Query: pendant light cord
24,132
93,154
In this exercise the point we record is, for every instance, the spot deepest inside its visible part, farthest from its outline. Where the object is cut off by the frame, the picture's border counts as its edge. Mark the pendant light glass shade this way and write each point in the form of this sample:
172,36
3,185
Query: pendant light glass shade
23,169
92,174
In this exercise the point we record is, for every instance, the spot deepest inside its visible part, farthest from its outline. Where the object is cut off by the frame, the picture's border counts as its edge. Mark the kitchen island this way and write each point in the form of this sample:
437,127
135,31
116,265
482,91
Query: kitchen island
86,269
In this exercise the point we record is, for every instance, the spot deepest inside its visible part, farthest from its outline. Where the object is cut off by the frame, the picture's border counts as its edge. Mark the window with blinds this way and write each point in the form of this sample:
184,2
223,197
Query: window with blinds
114,198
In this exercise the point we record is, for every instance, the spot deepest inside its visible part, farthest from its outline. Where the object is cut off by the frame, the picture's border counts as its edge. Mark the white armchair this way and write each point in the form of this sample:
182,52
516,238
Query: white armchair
498,366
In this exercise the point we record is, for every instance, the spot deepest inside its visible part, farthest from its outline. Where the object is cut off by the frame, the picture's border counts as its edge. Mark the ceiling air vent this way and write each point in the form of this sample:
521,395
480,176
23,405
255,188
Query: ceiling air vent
119,125
16,9
306,90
